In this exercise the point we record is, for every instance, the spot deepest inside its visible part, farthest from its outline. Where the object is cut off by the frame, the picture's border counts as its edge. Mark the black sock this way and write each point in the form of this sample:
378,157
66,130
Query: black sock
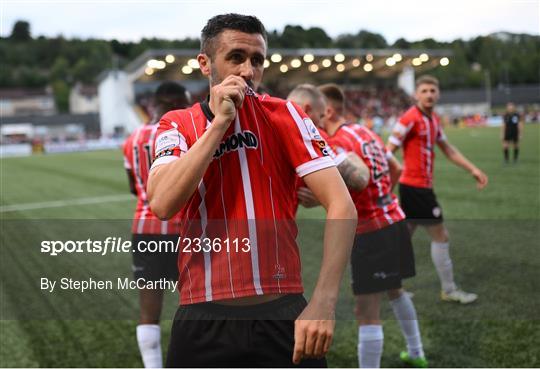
506,155
516,154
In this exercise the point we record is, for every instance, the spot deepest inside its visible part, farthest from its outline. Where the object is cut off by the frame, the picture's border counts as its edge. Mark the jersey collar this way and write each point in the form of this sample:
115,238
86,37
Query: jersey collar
205,106
430,117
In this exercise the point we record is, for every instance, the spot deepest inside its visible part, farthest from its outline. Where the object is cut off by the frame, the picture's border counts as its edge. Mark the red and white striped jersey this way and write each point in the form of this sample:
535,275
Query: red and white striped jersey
244,197
418,133
138,157
376,205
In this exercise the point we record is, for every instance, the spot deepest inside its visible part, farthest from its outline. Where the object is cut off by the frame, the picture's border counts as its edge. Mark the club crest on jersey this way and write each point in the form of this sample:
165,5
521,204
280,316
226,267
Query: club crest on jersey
237,141
250,92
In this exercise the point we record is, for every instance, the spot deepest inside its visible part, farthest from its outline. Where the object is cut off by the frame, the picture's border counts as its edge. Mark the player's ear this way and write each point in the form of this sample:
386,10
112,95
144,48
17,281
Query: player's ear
307,109
205,64
329,111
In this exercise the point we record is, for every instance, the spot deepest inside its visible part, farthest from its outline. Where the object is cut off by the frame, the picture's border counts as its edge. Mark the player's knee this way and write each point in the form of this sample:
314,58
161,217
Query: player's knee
442,238
360,312
395,293
440,234
366,312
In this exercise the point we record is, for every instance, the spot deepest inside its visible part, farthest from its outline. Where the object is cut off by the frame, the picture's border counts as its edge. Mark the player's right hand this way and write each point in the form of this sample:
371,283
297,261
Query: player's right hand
226,98
313,332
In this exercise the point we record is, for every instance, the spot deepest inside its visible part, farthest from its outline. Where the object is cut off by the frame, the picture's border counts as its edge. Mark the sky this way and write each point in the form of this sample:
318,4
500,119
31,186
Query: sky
443,20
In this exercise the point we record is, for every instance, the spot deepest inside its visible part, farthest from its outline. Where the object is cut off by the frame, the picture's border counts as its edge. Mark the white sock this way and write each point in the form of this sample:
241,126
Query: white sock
406,315
149,340
440,254
370,346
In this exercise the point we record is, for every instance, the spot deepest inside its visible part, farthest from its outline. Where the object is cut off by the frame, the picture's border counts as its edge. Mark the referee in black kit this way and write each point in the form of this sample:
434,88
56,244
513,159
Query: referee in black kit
511,131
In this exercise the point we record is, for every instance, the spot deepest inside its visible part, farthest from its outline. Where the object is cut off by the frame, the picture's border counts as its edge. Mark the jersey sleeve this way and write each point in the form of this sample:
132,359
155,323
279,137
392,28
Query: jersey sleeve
170,142
306,149
127,150
337,158
401,129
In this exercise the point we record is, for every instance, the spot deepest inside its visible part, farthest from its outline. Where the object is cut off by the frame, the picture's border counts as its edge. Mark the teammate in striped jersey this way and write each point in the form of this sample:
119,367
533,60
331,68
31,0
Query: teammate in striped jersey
418,131
352,169
138,157
231,163
382,253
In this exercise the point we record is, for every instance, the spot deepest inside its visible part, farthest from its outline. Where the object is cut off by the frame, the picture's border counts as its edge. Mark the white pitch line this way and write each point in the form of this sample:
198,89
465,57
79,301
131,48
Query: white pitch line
62,203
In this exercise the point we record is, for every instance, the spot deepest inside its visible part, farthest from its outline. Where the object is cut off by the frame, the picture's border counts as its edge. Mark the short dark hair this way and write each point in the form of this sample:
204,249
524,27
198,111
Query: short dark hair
335,96
427,79
232,21
171,96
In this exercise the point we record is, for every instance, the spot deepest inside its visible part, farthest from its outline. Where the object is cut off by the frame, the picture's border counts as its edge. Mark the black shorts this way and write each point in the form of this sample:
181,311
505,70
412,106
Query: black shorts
213,335
381,259
154,266
511,134
420,205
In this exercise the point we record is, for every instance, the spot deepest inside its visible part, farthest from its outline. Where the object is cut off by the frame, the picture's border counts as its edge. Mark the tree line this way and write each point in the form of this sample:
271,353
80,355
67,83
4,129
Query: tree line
29,61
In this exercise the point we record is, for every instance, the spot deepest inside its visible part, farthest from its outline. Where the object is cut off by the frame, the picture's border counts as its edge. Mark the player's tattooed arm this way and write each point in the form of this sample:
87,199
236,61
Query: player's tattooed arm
354,172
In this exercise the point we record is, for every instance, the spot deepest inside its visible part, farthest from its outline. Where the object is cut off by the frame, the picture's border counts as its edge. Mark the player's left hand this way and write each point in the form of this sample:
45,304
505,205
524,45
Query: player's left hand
480,177
313,332
306,198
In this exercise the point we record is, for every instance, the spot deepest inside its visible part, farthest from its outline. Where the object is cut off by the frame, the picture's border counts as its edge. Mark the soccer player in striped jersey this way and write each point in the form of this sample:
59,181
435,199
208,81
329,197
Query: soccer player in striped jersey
418,131
231,163
382,253
353,170
138,157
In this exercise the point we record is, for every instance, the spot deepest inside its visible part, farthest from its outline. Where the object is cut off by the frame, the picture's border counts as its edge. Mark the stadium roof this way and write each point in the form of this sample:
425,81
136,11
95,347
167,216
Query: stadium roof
296,64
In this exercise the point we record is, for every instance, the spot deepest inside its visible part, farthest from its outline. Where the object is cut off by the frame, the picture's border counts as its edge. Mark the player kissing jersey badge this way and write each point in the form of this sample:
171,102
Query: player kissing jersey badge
250,92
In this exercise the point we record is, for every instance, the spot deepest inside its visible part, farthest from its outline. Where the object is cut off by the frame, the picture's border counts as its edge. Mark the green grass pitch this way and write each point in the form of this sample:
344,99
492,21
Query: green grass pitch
495,237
